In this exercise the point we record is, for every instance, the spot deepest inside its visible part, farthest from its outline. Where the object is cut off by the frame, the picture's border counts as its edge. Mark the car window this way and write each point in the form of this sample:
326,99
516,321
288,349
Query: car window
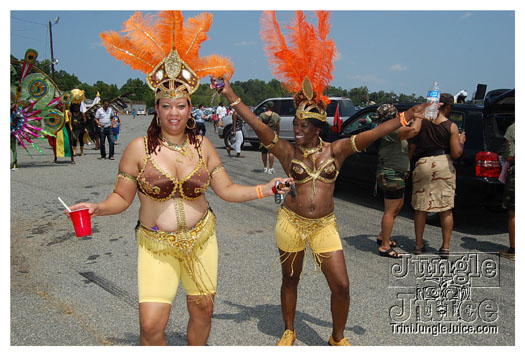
363,122
346,108
457,117
285,108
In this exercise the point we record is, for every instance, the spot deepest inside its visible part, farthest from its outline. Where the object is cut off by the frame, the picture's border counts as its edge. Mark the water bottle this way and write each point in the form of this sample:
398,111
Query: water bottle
431,112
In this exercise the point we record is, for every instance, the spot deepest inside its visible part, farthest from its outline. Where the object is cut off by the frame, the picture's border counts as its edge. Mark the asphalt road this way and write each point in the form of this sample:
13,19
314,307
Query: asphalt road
71,291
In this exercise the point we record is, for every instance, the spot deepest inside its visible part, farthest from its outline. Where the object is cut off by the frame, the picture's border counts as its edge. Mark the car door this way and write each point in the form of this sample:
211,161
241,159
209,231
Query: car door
360,166
286,111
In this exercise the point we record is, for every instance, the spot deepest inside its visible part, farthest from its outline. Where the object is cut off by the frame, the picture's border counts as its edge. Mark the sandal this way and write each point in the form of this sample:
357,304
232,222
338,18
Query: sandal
393,243
444,252
389,253
418,250
228,149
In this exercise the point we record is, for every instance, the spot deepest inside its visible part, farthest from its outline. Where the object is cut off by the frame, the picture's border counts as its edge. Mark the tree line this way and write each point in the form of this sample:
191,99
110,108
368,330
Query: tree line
252,91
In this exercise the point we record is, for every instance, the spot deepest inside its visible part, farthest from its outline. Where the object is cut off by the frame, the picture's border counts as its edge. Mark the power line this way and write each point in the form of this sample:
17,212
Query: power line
36,23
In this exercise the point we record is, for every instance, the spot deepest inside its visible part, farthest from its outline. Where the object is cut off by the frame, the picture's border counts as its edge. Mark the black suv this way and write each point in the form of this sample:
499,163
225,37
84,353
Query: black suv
477,171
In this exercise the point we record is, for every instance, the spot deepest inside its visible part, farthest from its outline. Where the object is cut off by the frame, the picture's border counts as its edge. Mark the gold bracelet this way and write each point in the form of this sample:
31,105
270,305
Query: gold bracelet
352,143
271,144
259,192
402,119
236,102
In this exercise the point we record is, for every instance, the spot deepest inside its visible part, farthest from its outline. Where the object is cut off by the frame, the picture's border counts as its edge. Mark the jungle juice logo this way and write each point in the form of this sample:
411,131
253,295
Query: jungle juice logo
439,295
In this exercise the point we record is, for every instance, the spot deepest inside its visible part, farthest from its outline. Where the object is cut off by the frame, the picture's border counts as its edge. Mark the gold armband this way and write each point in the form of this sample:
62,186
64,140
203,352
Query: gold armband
352,143
217,169
125,176
271,144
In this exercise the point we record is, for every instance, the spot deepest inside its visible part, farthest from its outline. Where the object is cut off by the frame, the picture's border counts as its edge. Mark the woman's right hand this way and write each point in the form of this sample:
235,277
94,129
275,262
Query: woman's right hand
227,90
93,208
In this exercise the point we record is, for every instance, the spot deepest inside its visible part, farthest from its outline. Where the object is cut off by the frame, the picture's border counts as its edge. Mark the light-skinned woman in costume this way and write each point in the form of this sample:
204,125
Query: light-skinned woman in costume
171,168
308,218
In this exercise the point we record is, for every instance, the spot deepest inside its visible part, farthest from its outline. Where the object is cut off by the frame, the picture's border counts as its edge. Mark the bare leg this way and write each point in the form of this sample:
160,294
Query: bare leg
270,166
392,209
199,324
264,159
420,220
292,261
153,320
512,229
447,223
334,269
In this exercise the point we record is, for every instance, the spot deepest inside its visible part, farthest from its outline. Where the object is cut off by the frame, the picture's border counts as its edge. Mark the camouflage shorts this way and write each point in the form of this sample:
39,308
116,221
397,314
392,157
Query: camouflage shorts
509,193
389,180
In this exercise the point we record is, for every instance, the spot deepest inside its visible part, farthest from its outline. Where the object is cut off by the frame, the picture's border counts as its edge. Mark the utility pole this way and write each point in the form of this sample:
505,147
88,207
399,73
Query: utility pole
53,60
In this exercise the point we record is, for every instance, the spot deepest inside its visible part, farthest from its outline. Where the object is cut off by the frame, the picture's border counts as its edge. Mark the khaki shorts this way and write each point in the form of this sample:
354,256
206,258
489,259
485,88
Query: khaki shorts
434,184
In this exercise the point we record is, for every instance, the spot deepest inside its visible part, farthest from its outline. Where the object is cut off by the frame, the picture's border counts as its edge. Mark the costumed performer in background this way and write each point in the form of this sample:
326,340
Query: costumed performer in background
305,68
171,168
35,105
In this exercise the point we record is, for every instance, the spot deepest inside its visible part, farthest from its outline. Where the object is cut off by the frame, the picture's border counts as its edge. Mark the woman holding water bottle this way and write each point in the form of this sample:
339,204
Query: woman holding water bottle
434,178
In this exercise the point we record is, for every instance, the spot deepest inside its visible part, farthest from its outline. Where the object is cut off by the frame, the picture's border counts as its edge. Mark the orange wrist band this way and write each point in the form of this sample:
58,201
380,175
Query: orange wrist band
259,192
402,119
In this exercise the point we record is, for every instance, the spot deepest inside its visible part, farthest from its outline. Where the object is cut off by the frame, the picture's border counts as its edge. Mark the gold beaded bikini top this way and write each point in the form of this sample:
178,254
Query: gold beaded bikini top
159,185
301,173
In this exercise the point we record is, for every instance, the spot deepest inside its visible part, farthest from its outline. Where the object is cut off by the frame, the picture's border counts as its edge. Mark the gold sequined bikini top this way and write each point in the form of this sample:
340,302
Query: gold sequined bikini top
159,185
326,172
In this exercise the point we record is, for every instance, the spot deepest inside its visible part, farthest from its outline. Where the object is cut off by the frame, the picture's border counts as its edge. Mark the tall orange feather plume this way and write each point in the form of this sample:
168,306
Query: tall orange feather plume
309,52
148,40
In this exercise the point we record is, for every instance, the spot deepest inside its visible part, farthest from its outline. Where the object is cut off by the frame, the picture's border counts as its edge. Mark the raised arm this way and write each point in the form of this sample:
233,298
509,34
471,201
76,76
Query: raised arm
345,147
282,149
407,132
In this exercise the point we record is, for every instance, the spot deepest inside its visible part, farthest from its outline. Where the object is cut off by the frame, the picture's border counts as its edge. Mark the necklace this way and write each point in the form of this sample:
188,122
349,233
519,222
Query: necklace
310,151
178,148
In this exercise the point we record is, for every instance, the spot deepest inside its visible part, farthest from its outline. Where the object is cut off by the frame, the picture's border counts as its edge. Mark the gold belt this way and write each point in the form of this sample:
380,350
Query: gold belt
306,226
180,244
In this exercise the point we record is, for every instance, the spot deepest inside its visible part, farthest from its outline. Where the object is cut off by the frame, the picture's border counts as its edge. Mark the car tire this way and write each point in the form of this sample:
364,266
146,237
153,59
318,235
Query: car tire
228,135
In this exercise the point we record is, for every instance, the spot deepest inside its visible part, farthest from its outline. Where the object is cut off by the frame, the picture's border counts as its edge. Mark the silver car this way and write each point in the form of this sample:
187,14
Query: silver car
286,110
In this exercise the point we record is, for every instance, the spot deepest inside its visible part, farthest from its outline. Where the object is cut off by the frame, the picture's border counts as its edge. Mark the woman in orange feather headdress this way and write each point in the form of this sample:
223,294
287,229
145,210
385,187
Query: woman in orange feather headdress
307,218
171,168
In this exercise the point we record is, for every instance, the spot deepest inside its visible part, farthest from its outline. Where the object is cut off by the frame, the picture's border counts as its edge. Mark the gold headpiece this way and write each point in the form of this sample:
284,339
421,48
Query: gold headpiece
167,51
305,68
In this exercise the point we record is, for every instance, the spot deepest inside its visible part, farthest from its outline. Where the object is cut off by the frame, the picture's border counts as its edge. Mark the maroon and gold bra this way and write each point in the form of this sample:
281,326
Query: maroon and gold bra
159,185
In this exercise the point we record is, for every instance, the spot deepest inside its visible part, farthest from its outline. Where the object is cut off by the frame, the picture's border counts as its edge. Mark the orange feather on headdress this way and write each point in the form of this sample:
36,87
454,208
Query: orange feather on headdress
309,53
149,39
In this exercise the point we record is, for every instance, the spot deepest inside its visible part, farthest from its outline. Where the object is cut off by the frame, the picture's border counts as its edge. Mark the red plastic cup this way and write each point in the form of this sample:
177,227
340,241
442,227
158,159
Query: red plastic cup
81,222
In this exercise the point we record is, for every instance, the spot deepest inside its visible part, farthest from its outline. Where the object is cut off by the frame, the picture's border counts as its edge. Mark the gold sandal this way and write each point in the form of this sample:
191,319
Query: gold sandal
342,342
287,339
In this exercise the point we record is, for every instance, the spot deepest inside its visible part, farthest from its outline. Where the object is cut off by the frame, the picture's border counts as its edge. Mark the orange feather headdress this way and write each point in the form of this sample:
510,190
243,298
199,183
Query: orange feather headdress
305,66
167,50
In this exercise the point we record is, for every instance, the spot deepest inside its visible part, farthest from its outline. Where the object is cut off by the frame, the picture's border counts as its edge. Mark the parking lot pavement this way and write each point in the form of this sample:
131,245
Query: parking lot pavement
71,291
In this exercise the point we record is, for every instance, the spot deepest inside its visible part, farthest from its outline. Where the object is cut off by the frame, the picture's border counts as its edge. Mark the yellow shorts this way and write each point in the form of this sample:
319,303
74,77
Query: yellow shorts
294,232
159,274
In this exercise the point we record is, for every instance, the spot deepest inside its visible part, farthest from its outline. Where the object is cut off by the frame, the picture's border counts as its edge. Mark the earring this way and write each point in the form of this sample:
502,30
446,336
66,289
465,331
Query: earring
158,122
191,127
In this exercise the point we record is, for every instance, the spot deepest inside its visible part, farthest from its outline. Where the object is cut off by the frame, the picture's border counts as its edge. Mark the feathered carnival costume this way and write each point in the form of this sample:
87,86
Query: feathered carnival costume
37,106
305,66
167,50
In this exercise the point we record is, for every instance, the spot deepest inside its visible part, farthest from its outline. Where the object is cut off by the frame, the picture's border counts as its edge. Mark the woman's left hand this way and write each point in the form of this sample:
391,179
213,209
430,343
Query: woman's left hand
285,185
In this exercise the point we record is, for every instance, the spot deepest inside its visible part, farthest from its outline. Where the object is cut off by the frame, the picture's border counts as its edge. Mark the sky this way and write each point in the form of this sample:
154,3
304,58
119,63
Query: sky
395,51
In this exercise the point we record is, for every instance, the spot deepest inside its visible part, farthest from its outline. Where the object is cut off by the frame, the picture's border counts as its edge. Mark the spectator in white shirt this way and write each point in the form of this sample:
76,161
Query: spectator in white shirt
103,118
